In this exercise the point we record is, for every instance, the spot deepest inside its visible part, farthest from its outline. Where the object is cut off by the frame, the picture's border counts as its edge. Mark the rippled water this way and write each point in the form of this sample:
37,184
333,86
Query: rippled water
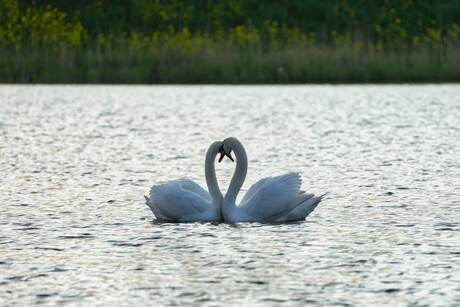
76,161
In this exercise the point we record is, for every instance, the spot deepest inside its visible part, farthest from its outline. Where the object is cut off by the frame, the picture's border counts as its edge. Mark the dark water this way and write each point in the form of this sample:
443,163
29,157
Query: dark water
76,161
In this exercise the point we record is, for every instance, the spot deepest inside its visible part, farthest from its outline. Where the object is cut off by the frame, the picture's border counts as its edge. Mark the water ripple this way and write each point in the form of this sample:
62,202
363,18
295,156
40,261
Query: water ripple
77,160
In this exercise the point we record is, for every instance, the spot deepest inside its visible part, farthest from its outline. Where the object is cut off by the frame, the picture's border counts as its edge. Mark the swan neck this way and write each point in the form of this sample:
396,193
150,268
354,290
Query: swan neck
240,172
210,173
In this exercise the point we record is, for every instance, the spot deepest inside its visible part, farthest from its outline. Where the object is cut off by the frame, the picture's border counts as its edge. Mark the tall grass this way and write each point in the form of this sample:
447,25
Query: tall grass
216,62
182,41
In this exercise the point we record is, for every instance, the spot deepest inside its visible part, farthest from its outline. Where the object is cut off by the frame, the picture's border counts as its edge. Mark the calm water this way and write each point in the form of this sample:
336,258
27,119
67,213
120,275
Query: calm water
76,161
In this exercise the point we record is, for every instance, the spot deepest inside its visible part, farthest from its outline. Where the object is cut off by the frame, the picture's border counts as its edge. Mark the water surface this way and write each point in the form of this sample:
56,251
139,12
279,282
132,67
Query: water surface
76,161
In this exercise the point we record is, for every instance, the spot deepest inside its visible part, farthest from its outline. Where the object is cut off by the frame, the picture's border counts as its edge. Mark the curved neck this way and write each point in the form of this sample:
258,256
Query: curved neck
210,172
240,171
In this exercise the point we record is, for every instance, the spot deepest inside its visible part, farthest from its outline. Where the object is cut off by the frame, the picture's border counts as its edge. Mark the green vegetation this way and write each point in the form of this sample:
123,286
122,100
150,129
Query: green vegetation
230,41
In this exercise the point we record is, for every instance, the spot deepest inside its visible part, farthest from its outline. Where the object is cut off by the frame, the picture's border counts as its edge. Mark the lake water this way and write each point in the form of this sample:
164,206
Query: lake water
77,160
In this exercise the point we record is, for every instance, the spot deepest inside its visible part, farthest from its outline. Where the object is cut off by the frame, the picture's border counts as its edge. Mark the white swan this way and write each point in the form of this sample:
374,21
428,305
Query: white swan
183,200
271,199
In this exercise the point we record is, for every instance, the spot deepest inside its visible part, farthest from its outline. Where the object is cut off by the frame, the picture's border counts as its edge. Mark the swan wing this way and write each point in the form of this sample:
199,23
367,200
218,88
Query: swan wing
192,186
254,189
273,196
177,200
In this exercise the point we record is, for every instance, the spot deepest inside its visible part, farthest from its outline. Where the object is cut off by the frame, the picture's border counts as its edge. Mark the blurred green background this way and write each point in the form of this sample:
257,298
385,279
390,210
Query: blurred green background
141,41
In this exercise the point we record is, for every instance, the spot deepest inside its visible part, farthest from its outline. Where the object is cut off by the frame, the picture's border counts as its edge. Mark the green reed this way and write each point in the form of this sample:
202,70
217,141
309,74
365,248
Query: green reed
225,63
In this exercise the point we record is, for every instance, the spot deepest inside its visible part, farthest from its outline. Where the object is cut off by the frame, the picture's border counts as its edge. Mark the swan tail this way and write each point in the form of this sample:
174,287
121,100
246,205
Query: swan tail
322,195
295,214
149,204
306,204
315,200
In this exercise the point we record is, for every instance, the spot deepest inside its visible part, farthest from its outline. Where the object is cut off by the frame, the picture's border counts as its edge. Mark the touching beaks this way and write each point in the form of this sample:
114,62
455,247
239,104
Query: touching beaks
223,154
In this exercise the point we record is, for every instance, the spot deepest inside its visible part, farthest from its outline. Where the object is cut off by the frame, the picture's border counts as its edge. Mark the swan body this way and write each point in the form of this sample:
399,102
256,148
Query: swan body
271,199
183,200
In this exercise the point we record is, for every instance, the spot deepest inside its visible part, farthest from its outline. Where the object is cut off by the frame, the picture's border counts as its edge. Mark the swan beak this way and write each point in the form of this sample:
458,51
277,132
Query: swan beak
229,155
222,154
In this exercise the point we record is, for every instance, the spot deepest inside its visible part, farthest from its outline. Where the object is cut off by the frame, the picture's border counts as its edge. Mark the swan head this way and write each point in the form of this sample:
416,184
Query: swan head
226,149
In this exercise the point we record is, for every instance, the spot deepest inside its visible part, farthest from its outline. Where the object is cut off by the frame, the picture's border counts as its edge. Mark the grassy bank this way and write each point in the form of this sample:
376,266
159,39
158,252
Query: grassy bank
216,63
230,41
